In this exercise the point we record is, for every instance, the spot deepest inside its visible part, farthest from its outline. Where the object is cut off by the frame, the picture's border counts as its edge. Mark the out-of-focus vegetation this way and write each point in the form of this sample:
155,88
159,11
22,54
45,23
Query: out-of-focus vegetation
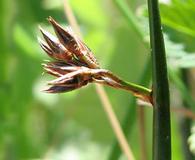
73,126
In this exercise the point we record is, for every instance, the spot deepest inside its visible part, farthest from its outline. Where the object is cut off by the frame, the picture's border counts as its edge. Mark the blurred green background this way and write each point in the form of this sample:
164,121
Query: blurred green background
73,126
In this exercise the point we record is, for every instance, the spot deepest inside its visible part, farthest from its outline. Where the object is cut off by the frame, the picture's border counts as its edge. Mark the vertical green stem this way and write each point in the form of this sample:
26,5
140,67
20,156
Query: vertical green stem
142,132
161,115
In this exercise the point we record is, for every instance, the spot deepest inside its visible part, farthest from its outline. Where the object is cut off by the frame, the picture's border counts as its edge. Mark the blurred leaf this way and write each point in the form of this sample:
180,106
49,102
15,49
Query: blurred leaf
177,56
91,12
25,42
50,4
179,15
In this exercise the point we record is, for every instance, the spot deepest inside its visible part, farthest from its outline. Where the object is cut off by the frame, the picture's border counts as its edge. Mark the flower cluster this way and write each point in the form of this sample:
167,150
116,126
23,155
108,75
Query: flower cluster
74,64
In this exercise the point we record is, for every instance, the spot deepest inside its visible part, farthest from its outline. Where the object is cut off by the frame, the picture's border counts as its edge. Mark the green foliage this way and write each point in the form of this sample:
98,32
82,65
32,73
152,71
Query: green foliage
179,15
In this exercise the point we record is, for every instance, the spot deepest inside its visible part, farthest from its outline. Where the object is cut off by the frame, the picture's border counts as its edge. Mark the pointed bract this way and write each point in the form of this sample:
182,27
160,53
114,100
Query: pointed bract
59,89
64,37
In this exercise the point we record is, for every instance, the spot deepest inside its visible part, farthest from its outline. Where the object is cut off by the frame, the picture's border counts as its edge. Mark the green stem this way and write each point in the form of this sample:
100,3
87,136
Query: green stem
138,91
116,82
142,132
161,115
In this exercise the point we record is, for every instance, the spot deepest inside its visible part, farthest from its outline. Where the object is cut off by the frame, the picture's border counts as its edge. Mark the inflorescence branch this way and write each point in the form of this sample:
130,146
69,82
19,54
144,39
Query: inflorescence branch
74,65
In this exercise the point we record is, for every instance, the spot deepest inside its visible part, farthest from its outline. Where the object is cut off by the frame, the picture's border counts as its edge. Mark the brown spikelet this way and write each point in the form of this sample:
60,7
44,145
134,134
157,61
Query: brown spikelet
74,64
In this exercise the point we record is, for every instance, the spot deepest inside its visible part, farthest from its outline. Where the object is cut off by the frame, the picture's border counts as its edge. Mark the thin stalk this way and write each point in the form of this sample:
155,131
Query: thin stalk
115,123
127,125
161,112
102,94
142,132
138,91
116,82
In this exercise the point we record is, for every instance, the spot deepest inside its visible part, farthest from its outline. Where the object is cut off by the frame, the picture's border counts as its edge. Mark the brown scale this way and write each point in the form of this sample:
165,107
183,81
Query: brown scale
74,44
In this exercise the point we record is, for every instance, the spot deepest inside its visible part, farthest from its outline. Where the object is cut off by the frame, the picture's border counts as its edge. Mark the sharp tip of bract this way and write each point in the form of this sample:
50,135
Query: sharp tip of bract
41,42
45,33
47,90
53,89
55,25
41,29
51,20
